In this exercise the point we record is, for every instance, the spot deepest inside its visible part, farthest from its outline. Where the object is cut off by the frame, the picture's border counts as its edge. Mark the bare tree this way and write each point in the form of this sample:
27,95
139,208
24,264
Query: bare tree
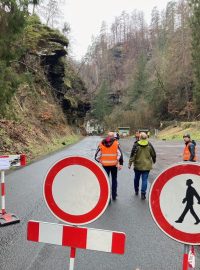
50,10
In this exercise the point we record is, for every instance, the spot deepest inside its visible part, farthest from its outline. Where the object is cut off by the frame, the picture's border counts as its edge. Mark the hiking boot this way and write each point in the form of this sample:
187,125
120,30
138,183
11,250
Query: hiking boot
143,196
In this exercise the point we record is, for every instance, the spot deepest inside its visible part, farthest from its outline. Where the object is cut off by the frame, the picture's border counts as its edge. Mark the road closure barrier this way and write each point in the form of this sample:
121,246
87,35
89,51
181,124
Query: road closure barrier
77,237
76,191
6,163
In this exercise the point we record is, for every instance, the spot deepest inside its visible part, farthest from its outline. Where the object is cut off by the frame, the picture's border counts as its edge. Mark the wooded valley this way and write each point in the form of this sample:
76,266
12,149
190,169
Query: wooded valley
144,73
134,73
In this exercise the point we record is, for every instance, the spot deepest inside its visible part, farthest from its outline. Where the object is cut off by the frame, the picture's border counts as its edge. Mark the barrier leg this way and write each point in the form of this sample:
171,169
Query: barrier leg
3,193
185,257
5,218
72,258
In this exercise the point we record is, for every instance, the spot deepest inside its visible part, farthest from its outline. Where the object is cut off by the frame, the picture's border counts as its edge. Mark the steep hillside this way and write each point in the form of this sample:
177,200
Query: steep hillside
146,73
49,104
175,132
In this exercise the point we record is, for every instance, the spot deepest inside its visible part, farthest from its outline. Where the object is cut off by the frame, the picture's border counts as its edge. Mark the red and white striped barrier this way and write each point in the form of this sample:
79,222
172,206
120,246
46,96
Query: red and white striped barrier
6,162
76,237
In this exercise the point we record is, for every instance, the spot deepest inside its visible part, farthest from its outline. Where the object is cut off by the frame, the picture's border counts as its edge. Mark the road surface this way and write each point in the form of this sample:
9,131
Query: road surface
147,247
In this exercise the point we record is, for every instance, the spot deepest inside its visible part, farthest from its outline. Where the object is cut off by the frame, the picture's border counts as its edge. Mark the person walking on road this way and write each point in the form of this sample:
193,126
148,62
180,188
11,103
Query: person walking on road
116,136
137,136
189,198
110,156
142,156
189,152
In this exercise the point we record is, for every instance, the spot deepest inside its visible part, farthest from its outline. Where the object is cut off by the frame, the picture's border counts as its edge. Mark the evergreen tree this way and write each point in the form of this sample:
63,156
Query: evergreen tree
139,85
12,22
195,25
101,103
35,3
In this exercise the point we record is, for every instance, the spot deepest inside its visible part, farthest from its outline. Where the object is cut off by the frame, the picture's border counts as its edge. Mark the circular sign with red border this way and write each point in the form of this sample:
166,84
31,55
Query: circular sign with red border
76,190
174,202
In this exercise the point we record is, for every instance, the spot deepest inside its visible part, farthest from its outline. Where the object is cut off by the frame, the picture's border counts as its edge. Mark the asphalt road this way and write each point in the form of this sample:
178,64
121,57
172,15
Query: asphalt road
147,247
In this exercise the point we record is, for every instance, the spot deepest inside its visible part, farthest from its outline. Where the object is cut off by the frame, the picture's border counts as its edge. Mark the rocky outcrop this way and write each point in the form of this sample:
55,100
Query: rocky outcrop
51,48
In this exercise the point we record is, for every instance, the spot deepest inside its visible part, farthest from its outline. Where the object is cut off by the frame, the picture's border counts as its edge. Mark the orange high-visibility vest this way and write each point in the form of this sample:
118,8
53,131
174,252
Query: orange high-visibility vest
187,154
109,154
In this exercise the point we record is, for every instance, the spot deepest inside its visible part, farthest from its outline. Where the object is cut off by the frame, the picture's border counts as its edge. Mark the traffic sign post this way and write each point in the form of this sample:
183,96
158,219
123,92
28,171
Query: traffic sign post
72,258
191,258
186,257
174,202
76,191
6,162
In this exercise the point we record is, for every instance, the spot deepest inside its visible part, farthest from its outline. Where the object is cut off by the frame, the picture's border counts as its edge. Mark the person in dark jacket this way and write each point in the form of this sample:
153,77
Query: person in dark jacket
142,156
116,136
189,152
137,136
109,154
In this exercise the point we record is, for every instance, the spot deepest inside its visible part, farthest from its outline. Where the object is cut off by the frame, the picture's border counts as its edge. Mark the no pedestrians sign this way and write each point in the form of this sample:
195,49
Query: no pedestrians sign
175,202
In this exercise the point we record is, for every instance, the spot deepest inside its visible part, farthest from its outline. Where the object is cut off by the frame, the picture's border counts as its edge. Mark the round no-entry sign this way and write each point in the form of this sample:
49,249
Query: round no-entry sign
76,190
174,202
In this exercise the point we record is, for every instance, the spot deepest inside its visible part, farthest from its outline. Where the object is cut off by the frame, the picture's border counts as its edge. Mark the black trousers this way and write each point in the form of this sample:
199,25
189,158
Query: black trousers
113,171
191,209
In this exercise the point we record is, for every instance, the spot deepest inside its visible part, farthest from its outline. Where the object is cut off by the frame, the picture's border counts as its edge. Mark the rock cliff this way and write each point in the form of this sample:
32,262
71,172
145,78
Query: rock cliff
51,48
50,103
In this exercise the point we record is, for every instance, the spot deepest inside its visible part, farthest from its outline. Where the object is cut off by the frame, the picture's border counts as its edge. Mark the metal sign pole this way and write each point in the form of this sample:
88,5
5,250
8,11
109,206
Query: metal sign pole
72,258
185,257
191,258
3,210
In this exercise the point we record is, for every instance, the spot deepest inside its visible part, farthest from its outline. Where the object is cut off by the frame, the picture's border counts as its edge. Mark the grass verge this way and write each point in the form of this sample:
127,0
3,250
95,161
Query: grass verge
176,133
55,145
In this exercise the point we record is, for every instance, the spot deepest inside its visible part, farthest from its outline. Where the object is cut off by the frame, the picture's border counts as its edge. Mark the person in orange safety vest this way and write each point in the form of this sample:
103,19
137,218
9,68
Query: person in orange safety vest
110,156
189,152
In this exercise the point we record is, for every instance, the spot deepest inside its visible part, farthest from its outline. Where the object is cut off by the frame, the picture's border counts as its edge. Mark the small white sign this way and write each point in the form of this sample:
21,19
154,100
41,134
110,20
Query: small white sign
4,164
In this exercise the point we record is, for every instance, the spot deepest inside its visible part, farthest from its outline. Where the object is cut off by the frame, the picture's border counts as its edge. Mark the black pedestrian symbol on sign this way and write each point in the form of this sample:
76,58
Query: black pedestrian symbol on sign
189,198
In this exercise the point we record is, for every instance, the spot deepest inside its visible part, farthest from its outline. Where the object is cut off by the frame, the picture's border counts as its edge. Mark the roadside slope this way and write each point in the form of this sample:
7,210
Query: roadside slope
175,132
46,110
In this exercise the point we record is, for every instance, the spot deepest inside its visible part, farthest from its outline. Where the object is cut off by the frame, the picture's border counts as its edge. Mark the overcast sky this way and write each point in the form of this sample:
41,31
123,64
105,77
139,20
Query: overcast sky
85,17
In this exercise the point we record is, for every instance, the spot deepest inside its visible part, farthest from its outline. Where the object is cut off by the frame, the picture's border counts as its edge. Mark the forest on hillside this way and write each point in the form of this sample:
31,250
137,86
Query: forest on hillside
43,101
135,74
141,74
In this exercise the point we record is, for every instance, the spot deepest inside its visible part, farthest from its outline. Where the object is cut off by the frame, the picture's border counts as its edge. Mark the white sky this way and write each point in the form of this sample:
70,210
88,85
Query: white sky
85,17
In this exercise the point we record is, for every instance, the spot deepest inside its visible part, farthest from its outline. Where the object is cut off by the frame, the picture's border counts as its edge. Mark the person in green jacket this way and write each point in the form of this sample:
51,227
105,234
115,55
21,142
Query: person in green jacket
142,156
